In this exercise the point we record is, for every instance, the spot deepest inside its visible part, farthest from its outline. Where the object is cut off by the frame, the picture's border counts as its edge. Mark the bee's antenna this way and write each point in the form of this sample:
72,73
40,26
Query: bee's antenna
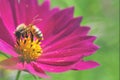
36,20
37,16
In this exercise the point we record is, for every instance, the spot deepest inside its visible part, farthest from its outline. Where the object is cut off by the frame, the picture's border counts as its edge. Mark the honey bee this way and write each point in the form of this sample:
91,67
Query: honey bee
31,30
24,31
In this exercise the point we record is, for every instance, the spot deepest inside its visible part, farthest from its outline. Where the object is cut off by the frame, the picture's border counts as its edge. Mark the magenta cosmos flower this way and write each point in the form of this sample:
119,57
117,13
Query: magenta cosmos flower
42,40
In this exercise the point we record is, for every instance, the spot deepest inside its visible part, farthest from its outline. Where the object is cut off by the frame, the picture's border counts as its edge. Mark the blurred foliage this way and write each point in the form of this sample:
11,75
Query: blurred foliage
103,18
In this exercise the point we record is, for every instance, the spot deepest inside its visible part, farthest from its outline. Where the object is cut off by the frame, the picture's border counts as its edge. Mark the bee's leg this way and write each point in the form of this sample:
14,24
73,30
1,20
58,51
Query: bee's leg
23,35
24,41
26,34
31,36
18,43
39,40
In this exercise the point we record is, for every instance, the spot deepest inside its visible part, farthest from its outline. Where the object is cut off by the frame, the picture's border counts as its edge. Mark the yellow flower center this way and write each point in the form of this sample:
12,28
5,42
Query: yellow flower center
28,42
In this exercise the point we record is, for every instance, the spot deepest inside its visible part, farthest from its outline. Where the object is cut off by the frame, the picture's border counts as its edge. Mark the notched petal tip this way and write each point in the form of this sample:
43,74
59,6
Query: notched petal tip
46,3
79,19
91,38
91,50
69,10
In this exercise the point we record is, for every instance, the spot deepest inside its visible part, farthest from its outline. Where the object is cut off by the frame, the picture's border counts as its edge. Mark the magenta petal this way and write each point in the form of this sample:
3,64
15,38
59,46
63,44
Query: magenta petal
12,63
56,20
60,61
67,28
44,8
18,9
70,52
83,65
45,5
68,41
35,69
85,44
7,16
53,68
30,9
82,30
45,18
63,30
6,48
5,35
24,10
15,10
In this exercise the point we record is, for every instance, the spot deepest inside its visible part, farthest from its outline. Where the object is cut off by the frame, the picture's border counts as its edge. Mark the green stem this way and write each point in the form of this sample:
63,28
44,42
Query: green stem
18,75
35,77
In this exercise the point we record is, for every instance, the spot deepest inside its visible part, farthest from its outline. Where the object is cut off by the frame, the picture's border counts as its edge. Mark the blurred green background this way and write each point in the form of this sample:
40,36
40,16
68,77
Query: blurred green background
103,17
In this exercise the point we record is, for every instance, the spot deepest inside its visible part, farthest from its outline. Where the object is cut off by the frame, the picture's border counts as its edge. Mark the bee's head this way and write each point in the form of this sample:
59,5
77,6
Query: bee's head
20,27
